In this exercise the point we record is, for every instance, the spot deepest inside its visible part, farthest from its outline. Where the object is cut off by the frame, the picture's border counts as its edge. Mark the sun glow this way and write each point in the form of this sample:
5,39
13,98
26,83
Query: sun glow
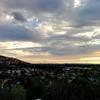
16,45
8,17
76,3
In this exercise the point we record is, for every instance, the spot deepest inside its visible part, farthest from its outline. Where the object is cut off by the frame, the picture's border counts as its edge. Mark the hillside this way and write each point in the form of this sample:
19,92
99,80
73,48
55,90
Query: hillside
11,62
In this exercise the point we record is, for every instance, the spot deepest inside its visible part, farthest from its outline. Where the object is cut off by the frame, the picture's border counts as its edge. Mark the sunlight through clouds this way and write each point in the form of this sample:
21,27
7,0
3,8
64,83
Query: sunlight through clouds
60,28
16,45
77,3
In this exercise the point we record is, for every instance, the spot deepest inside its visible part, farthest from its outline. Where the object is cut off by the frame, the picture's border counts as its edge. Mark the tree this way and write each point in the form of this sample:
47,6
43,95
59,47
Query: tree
18,92
81,89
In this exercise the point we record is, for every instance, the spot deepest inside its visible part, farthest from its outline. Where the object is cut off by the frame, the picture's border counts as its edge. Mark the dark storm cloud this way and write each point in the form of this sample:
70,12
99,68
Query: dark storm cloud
91,10
48,5
11,32
89,15
18,16
81,20
33,5
67,37
66,50
58,9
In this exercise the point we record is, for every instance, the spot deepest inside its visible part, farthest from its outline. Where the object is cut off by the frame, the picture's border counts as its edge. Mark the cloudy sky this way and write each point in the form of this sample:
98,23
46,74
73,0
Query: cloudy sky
50,31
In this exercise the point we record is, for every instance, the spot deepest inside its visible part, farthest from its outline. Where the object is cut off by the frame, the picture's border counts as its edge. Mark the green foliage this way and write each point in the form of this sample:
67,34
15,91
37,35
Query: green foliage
18,92
81,89
66,84
5,94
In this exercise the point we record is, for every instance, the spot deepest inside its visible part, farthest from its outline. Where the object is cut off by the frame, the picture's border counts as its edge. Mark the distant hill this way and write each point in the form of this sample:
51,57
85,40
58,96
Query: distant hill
12,62
8,62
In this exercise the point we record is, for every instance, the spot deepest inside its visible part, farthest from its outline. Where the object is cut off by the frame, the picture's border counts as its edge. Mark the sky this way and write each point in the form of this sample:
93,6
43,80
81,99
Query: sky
50,31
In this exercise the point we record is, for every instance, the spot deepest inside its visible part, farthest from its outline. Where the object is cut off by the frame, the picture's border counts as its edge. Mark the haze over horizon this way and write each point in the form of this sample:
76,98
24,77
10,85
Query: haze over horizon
50,31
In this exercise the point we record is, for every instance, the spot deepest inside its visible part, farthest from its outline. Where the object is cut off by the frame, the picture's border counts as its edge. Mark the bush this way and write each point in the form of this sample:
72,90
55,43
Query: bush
18,92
